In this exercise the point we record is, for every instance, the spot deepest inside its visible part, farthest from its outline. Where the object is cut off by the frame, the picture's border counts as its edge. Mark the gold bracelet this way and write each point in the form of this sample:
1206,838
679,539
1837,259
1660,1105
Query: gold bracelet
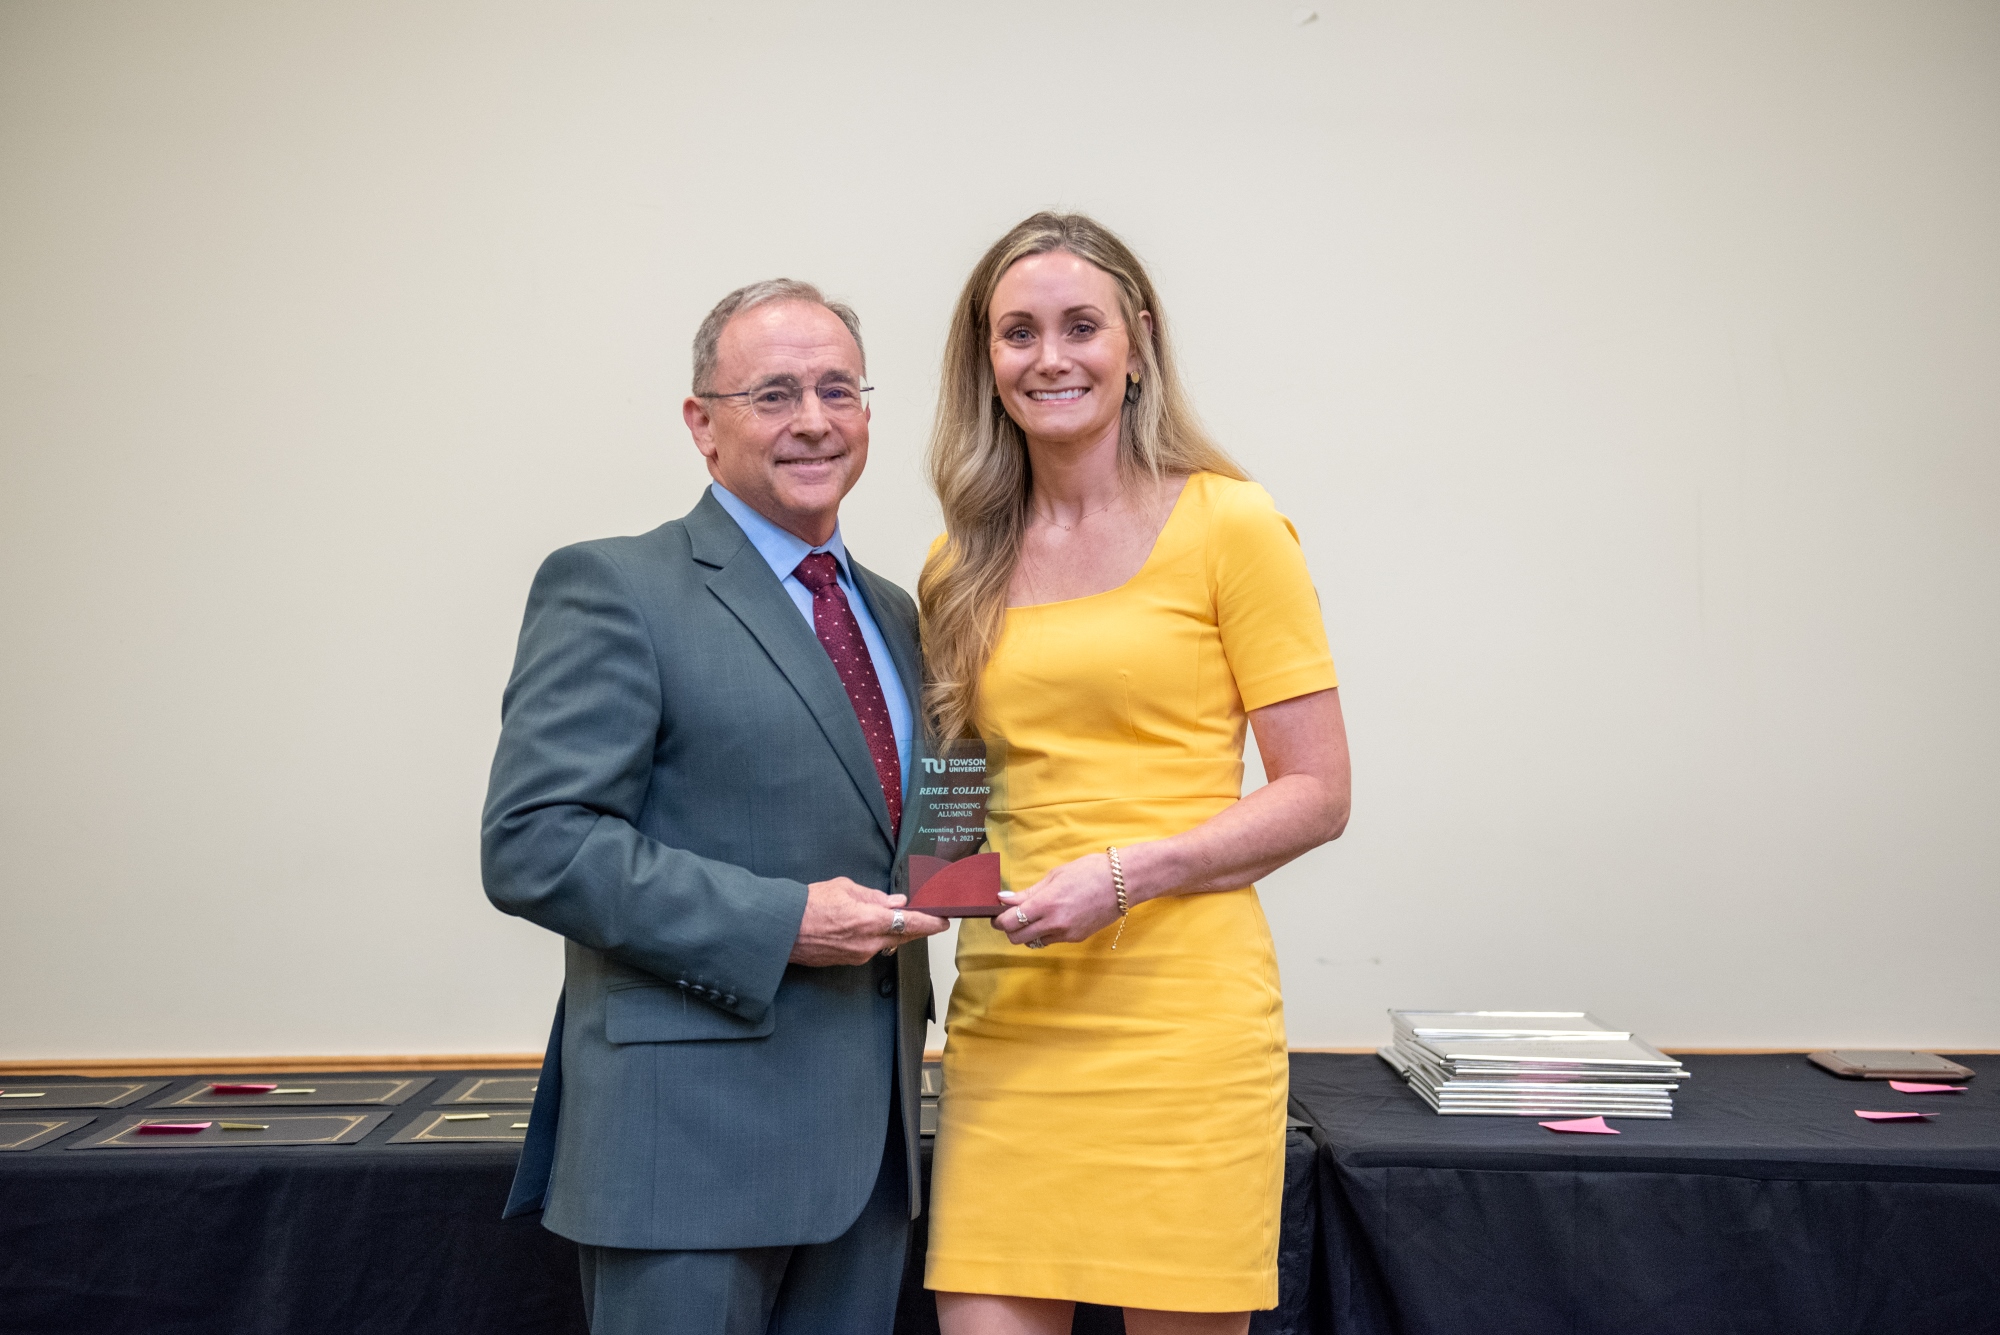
1118,884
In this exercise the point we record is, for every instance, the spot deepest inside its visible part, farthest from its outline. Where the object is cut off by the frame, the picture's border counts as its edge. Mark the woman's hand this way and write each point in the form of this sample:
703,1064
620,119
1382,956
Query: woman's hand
1072,903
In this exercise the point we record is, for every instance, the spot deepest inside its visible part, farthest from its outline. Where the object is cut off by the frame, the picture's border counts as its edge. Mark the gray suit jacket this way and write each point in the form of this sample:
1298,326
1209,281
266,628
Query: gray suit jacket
677,760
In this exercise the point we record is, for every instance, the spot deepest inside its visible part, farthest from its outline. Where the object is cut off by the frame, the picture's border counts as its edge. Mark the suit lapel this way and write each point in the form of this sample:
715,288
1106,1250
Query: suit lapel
746,586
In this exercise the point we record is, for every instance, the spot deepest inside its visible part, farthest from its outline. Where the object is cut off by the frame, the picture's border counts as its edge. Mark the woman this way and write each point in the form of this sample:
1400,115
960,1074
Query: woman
1113,600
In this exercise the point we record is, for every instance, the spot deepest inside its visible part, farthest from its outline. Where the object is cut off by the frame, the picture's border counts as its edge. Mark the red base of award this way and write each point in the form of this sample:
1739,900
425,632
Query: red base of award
967,888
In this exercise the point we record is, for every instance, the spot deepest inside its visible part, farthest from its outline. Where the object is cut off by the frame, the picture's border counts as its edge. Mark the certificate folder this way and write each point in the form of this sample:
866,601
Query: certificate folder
493,1089
33,1097
27,1133
440,1126
299,1091
315,1128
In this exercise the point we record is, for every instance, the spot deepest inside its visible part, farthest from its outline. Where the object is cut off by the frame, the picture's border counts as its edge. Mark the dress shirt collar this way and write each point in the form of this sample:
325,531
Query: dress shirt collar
782,551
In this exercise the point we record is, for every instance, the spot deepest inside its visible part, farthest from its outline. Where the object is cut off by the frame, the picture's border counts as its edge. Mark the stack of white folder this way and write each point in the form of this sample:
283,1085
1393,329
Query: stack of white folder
1530,1064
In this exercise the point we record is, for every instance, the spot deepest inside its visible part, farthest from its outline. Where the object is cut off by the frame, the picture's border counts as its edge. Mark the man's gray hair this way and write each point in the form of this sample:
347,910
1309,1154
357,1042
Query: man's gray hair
761,294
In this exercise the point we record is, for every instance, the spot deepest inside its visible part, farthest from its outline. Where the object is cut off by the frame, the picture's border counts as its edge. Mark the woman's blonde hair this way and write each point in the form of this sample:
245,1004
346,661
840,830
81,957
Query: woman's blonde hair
978,458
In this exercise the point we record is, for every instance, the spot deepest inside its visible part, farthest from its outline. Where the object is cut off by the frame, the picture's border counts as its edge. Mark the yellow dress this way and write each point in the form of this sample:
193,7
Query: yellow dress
1112,1124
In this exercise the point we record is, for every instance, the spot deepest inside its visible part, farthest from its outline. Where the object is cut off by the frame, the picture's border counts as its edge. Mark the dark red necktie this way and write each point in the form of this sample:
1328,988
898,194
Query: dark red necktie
840,634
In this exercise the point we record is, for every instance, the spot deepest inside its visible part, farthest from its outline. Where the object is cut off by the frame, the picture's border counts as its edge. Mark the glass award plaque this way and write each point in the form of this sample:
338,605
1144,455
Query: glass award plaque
946,873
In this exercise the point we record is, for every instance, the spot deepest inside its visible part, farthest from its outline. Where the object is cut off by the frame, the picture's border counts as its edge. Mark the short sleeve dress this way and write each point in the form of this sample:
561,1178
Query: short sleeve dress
1112,1124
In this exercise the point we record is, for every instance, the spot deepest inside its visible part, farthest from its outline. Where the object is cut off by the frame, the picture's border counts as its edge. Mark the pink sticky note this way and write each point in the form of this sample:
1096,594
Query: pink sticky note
240,1089
1894,1116
1912,1087
1589,1126
171,1128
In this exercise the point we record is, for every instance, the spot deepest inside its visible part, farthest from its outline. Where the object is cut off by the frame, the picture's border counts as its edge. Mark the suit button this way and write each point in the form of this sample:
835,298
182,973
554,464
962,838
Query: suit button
681,983
729,1000
887,987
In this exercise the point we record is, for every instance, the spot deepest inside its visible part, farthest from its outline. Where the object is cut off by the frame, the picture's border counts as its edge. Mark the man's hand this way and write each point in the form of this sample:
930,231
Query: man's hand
846,923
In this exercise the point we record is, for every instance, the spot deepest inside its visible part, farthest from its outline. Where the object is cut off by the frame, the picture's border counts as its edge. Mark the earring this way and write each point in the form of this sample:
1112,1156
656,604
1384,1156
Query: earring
1132,390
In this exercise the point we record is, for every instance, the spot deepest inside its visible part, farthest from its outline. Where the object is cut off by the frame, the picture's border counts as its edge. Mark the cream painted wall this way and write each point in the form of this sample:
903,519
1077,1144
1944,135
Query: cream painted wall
1630,370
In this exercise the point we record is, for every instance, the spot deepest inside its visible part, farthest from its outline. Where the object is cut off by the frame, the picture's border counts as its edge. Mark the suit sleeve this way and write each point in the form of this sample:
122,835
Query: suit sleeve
560,844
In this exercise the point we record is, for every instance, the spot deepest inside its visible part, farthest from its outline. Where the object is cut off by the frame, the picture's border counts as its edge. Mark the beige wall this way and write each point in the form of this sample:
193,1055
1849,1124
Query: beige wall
1630,370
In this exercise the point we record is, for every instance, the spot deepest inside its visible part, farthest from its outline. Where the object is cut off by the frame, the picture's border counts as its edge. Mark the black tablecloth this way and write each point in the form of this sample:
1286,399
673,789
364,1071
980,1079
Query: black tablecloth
370,1238
1765,1205
366,1239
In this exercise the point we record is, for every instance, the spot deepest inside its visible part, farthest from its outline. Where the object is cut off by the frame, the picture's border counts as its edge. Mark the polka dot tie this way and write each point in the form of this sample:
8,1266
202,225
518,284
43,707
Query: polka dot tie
840,634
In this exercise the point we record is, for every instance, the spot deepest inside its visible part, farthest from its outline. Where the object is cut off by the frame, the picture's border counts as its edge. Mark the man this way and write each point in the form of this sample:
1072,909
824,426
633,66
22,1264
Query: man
699,783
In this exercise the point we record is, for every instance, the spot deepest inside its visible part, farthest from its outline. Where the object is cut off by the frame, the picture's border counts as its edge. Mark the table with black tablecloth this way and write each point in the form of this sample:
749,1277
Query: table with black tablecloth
1764,1205
366,1239
256,1240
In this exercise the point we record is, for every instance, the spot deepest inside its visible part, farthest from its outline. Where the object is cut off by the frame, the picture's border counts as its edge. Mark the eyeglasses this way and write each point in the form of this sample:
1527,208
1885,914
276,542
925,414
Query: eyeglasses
779,399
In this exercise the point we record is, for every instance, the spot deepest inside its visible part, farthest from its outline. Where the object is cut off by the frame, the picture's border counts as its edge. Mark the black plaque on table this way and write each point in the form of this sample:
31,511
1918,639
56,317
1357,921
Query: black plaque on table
930,1088
33,1096
440,1126
260,1128
949,871
296,1091
27,1133
493,1089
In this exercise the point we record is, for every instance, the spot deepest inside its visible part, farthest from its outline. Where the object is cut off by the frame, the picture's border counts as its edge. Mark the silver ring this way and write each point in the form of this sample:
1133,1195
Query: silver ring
1038,944
896,924
1021,916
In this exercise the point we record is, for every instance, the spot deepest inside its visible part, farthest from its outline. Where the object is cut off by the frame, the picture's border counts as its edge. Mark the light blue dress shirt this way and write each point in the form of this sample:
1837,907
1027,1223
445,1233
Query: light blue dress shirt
783,551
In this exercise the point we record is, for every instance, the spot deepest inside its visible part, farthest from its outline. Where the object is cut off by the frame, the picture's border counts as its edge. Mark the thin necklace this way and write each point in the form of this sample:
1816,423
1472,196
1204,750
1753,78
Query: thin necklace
1071,528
